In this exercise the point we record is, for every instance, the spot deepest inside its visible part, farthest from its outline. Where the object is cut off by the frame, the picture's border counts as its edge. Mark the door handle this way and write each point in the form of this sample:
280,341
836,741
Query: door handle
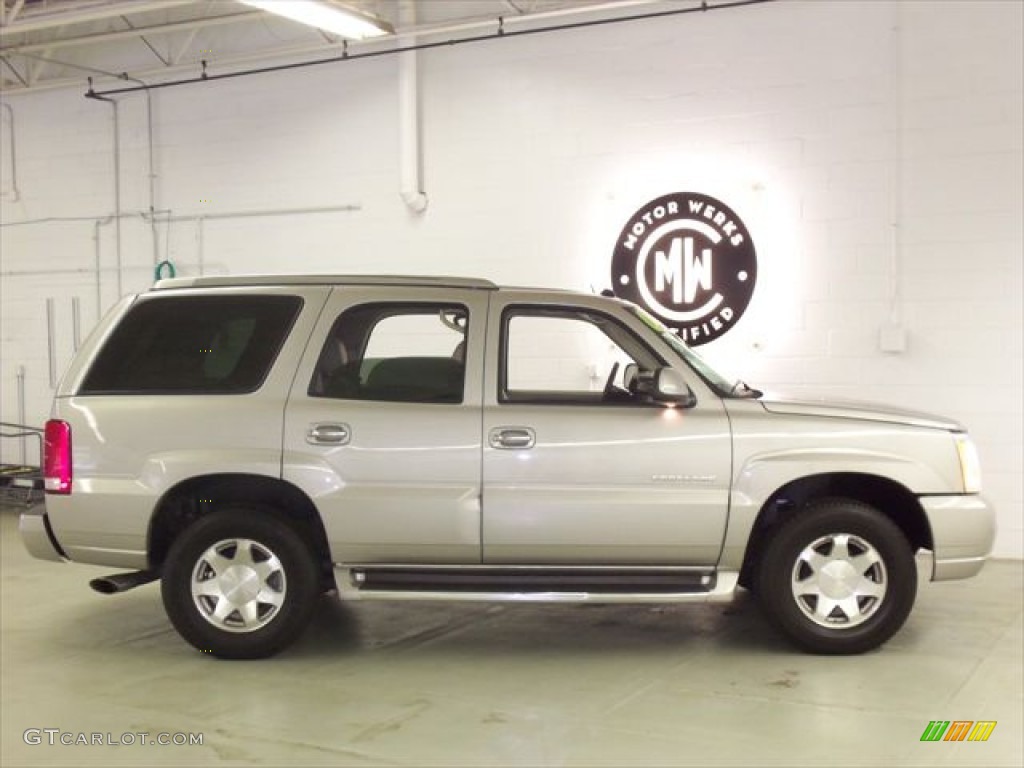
512,438
328,434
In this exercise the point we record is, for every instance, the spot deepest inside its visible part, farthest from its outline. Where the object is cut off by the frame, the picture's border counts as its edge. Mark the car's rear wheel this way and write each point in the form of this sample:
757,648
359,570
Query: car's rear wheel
239,584
838,578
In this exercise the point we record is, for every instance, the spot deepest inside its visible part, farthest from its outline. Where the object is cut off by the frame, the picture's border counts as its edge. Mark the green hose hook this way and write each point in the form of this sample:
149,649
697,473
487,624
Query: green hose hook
160,269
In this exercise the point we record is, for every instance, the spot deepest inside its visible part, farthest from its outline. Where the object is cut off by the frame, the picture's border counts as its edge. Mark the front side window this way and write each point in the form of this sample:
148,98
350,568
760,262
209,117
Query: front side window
570,356
193,345
412,353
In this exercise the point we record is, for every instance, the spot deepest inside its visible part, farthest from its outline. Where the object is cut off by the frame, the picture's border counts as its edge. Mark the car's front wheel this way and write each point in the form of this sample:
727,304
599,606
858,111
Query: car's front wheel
239,584
838,578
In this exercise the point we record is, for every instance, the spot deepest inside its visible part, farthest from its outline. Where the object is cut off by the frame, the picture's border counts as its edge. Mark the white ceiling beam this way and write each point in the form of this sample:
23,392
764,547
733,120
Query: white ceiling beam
79,67
405,36
15,10
130,34
15,72
77,14
142,37
35,71
183,48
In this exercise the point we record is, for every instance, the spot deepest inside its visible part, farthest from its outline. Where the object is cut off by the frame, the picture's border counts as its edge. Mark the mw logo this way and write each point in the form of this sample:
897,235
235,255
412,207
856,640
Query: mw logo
681,261
958,730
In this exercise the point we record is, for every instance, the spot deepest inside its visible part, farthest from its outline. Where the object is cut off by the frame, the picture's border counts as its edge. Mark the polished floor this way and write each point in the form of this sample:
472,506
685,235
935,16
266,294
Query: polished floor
435,684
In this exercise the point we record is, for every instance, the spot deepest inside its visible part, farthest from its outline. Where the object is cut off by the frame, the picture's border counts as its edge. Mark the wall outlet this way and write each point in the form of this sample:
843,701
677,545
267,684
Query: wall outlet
893,339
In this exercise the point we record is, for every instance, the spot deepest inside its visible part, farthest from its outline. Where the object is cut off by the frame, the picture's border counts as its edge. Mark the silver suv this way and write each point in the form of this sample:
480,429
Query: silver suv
254,442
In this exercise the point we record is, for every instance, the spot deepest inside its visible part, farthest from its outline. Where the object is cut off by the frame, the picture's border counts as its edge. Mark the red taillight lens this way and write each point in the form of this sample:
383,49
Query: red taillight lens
57,457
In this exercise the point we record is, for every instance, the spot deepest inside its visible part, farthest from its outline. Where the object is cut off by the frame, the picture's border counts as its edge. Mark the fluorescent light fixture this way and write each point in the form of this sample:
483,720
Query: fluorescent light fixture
326,15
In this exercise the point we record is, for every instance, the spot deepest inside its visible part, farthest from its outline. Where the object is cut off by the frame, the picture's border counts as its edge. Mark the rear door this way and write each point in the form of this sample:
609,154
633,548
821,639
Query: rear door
382,428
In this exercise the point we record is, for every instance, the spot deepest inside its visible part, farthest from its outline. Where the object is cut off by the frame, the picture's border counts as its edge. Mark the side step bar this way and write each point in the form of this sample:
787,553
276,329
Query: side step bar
536,584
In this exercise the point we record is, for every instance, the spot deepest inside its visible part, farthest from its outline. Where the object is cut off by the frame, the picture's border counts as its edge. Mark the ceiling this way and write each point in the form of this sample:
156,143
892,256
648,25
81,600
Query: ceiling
61,43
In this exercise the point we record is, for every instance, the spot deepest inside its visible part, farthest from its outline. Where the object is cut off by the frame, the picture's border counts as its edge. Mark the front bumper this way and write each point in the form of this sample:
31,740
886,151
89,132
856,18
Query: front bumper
37,536
963,530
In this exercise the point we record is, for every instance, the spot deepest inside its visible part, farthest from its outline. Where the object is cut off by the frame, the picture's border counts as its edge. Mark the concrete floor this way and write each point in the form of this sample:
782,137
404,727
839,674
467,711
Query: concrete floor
437,684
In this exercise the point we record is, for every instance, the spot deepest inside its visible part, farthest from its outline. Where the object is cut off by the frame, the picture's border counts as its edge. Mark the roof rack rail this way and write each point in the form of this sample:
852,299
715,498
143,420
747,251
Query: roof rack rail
323,279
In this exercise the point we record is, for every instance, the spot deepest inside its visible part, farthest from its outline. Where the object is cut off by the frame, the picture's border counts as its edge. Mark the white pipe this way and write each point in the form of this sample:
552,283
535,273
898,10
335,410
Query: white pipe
16,195
97,264
409,122
152,170
51,343
896,95
21,409
76,322
259,213
201,244
117,186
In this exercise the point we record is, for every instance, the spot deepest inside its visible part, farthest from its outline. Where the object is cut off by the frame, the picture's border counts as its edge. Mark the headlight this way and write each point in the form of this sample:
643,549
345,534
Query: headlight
970,466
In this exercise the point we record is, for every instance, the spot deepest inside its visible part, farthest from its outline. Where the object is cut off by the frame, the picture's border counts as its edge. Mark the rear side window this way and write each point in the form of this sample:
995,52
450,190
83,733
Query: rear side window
193,345
405,353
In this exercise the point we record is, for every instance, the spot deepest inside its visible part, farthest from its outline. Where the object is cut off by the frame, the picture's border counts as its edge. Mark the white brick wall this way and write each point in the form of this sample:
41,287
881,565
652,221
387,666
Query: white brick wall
817,122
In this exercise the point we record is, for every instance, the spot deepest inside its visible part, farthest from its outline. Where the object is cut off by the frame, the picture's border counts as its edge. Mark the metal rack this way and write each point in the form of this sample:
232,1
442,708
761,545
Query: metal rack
19,483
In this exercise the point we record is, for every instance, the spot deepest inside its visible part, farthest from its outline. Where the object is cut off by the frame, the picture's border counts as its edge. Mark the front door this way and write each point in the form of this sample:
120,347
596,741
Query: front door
580,470
382,428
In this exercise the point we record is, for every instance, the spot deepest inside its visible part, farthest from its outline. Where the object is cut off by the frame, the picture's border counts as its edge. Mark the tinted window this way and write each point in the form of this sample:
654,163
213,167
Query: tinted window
193,345
397,353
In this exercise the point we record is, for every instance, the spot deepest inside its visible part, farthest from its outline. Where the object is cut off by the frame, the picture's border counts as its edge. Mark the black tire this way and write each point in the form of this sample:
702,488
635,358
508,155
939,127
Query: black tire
867,591
261,579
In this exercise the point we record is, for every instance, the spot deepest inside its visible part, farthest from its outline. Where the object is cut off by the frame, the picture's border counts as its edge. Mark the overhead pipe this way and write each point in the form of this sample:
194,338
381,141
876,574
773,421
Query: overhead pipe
409,122
500,33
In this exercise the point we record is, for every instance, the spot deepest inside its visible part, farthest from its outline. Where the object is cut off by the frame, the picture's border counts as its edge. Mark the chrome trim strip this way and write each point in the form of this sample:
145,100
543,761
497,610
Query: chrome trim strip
723,592
535,567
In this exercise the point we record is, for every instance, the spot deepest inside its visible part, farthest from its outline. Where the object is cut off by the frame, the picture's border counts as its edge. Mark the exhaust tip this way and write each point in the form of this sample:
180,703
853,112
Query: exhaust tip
122,582
104,586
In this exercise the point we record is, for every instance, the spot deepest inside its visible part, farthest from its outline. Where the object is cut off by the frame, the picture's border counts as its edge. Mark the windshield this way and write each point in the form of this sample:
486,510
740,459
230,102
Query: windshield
695,361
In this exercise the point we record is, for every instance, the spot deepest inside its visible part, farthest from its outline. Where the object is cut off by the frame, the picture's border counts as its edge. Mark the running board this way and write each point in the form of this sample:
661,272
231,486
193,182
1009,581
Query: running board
537,584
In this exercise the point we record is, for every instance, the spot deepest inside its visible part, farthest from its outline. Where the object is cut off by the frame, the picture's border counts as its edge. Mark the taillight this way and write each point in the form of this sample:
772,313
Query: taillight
57,457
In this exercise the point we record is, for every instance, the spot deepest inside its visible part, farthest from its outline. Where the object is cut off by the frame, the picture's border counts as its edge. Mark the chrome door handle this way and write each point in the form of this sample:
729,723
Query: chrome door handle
512,438
328,434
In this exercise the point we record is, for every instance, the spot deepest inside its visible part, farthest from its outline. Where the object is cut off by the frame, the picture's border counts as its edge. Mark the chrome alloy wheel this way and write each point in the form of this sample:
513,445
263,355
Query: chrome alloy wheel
238,585
839,581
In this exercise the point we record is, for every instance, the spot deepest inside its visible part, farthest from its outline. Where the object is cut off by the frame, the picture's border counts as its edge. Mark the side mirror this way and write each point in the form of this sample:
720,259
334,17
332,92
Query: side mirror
629,374
666,385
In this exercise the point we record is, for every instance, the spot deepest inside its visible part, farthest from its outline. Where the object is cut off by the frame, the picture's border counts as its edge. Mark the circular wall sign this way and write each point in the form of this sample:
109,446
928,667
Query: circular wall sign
689,260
